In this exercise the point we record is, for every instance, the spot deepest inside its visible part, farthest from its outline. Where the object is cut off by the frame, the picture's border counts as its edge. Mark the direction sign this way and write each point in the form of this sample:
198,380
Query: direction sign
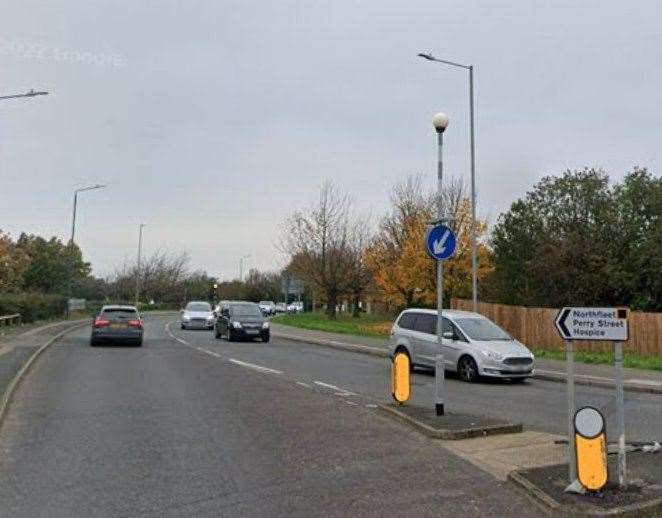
440,242
593,324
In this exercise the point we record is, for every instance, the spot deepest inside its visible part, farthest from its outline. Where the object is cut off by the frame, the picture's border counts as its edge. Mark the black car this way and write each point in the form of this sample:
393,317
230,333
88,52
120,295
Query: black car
242,320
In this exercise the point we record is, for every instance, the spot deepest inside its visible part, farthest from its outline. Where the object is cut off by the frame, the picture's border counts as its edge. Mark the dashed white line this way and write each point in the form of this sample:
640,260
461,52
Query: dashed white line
302,384
340,391
255,367
353,403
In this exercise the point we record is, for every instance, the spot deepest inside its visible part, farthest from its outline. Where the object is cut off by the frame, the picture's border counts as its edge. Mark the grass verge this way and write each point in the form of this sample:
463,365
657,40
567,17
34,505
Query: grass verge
376,326
632,360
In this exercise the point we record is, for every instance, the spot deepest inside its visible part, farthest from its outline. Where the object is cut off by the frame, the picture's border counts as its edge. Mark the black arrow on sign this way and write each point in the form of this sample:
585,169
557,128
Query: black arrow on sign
561,322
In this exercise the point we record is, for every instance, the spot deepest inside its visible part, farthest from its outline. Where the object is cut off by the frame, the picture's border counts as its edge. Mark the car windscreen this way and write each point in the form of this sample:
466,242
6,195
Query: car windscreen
246,310
119,314
198,306
482,329
267,302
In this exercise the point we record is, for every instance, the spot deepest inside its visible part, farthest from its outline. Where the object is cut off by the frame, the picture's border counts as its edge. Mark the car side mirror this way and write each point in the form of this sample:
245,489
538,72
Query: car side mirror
448,334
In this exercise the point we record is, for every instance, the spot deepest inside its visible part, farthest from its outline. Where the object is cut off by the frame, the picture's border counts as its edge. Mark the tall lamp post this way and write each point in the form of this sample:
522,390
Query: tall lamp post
474,265
31,93
73,230
241,266
140,247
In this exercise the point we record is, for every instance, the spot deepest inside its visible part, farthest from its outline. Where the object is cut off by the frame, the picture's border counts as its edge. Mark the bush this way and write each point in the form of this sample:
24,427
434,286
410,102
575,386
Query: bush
33,306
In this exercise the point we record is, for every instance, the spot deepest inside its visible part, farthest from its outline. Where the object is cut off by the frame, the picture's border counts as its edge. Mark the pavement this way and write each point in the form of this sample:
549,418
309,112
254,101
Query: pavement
636,380
188,425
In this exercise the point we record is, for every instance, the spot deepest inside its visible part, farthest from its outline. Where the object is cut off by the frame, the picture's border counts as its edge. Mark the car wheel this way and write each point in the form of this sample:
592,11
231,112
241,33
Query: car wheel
139,343
182,326
230,335
93,343
266,338
467,369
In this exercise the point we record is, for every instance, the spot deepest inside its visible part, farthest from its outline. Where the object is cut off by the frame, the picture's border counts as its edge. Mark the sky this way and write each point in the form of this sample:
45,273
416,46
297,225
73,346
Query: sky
211,121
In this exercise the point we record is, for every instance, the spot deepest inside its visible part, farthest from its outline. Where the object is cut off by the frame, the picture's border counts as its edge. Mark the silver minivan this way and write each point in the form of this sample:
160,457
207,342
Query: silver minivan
472,345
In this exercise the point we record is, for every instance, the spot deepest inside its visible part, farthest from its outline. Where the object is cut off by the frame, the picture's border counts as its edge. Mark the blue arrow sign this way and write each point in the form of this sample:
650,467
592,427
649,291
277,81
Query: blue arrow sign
440,242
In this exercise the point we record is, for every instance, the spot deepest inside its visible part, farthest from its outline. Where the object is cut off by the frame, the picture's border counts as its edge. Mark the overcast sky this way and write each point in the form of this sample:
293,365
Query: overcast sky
210,121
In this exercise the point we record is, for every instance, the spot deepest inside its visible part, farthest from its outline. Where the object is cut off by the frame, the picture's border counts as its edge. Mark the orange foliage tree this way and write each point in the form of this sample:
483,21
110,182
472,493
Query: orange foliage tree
403,272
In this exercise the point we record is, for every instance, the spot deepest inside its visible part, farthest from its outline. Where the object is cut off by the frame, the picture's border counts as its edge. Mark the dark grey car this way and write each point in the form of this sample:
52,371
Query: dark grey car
242,320
117,323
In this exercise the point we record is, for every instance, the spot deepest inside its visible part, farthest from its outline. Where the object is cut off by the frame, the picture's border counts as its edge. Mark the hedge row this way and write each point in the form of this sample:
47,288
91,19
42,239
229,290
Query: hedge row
33,306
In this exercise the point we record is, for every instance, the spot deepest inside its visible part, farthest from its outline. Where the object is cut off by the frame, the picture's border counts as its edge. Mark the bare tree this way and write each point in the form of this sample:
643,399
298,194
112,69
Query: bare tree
359,275
317,241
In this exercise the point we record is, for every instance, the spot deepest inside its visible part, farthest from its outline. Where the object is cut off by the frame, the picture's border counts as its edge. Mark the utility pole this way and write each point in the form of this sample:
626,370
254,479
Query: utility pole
138,270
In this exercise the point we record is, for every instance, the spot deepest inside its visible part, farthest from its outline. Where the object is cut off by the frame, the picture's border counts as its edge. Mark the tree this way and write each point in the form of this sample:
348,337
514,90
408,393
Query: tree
554,247
53,266
403,271
359,275
317,242
13,263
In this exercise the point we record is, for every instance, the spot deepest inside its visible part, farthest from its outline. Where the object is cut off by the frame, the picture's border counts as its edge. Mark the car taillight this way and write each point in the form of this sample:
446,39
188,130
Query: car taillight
136,323
101,322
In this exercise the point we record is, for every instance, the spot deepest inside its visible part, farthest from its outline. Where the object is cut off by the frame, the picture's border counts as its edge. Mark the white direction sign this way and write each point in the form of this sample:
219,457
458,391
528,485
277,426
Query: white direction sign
593,324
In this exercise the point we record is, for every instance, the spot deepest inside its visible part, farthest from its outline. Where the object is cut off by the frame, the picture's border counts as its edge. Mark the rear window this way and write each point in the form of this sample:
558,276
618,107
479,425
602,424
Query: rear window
198,306
246,310
119,314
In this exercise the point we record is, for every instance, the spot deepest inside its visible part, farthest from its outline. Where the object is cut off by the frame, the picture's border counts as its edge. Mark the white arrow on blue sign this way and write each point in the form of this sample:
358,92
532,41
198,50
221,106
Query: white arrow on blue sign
440,242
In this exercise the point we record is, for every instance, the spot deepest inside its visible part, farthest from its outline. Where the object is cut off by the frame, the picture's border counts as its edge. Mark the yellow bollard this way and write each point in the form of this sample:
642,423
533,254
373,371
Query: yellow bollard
400,381
591,448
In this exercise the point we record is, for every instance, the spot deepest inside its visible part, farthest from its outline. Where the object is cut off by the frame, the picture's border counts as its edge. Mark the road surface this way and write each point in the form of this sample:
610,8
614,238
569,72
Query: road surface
192,426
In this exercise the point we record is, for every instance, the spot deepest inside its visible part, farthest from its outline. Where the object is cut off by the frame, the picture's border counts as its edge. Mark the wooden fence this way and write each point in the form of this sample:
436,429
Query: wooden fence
535,328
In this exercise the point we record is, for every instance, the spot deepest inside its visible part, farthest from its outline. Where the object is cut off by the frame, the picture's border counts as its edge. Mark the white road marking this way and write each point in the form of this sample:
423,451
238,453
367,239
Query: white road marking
301,383
172,335
208,352
341,391
353,403
371,405
255,367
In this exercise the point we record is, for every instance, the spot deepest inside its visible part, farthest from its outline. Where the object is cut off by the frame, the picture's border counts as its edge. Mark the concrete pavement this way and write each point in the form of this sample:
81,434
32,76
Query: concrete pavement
191,426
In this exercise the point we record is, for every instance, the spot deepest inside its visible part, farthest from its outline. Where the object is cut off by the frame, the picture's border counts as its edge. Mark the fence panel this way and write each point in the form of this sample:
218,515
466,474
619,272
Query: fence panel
535,328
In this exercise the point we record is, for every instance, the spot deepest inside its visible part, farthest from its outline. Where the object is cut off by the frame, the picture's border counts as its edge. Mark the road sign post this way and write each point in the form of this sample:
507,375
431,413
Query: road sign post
570,387
610,324
620,412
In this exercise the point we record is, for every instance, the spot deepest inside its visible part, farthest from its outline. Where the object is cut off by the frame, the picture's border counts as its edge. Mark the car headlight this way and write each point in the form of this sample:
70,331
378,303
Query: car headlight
186,317
236,325
210,319
494,356
265,325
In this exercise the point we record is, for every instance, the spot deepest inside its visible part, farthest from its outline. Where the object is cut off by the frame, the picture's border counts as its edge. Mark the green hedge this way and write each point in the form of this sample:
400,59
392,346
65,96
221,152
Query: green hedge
33,306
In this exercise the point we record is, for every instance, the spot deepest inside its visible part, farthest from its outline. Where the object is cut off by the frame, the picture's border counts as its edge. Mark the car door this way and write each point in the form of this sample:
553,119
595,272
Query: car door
426,338
454,346
429,345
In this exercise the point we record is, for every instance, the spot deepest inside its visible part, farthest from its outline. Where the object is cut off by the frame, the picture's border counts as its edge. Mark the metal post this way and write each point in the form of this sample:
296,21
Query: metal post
620,412
439,363
474,260
570,383
140,245
73,219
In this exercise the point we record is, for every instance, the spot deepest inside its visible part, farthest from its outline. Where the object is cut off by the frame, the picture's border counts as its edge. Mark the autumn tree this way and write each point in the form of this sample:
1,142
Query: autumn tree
403,271
317,241
13,263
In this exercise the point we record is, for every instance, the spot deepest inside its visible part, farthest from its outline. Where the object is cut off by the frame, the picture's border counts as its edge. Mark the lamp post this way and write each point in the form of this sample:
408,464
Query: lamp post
440,122
30,93
241,266
474,261
73,231
140,246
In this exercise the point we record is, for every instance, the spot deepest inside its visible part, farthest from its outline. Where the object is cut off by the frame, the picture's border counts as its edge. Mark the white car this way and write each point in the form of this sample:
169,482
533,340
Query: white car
295,307
197,315
268,307
472,345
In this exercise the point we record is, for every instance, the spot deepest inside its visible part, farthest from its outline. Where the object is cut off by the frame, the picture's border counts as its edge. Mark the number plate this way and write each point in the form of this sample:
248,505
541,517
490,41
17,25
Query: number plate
118,326
251,331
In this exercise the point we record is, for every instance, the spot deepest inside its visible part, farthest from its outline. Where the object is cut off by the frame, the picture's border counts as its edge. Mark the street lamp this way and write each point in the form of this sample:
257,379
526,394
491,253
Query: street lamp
241,266
73,220
140,246
440,122
30,93
474,265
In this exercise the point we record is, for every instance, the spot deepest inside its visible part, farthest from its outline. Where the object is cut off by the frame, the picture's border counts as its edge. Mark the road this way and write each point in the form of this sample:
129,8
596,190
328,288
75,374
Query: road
192,426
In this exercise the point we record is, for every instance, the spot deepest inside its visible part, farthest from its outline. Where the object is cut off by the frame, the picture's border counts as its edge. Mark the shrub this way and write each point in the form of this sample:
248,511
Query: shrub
33,306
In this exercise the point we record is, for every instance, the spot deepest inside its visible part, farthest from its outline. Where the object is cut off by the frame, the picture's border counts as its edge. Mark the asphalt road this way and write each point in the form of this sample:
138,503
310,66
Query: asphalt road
198,427
539,405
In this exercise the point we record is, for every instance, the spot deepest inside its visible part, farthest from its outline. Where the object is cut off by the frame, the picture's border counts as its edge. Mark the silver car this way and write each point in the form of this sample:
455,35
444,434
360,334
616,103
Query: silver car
197,315
472,345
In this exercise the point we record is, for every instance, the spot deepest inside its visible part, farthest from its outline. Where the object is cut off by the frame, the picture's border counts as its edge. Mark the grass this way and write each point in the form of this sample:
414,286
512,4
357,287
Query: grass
376,326
635,361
